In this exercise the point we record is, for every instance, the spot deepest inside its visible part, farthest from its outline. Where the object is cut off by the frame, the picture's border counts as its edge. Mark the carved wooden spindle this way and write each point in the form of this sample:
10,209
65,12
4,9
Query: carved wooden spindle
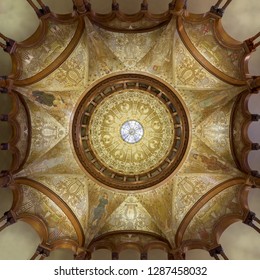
41,4
44,10
87,5
115,256
9,218
255,146
9,44
249,221
4,146
178,254
251,44
144,5
170,256
42,252
3,117
255,173
179,5
254,84
33,6
115,5
217,10
5,179
215,252
225,5
5,84
144,256
80,6
255,117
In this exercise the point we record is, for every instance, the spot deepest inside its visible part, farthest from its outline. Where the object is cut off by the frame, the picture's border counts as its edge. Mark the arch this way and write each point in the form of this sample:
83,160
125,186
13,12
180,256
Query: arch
37,224
65,244
59,202
198,254
243,245
200,203
226,221
6,200
61,254
60,59
101,254
130,253
157,254
18,241
198,56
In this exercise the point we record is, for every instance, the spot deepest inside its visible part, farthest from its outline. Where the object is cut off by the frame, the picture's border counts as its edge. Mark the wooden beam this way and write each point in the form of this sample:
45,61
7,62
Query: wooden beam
179,5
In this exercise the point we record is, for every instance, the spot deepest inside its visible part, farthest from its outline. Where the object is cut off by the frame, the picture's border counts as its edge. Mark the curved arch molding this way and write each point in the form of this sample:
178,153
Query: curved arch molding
59,202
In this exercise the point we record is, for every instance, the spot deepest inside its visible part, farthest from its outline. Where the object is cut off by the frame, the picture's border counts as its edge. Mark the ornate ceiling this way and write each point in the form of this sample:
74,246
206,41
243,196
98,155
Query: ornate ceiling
130,130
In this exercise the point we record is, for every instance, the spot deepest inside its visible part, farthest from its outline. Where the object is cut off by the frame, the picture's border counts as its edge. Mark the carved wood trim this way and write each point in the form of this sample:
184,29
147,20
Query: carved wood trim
64,244
37,223
242,102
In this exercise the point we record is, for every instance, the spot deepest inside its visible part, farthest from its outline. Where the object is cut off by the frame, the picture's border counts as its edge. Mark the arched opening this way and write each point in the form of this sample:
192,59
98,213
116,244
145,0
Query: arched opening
6,200
129,254
61,254
101,254
18,242
198,254
239,242
157,254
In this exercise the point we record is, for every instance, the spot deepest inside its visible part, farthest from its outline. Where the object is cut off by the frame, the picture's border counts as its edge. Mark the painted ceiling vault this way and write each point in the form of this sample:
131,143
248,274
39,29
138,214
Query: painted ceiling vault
130,130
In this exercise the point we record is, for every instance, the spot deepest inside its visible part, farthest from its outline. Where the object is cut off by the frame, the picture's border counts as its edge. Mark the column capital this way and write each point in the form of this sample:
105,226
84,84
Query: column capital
6,178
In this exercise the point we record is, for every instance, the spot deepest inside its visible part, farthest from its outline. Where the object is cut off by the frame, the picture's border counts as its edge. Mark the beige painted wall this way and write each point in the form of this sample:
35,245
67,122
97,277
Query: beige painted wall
241,20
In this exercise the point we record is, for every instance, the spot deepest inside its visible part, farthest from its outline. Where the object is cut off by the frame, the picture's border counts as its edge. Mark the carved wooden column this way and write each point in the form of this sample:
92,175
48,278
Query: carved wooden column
219,11
251,44
42,251
9,45
115,6
250,218
5,85
5,179
170,256
115,256
82,254
177,5
144,256
8,219
42,11
81,6
254,84
144,5
4,146
177,254
216,252
3,117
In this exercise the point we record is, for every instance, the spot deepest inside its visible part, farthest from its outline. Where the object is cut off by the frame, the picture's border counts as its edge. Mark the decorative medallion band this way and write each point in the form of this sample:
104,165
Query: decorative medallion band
130,131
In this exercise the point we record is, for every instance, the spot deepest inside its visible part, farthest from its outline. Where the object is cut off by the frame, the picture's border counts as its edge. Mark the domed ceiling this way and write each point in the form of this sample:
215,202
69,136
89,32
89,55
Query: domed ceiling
130,129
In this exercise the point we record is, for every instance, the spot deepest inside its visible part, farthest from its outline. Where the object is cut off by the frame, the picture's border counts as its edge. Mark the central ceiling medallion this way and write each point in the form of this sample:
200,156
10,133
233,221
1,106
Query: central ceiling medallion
130,132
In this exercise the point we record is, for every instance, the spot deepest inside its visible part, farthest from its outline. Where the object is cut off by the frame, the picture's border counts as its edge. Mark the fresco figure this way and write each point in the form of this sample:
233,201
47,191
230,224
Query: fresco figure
212,163
100,209
47,99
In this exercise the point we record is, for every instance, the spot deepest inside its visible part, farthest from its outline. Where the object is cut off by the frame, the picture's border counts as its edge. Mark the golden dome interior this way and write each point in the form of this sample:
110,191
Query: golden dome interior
79,80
